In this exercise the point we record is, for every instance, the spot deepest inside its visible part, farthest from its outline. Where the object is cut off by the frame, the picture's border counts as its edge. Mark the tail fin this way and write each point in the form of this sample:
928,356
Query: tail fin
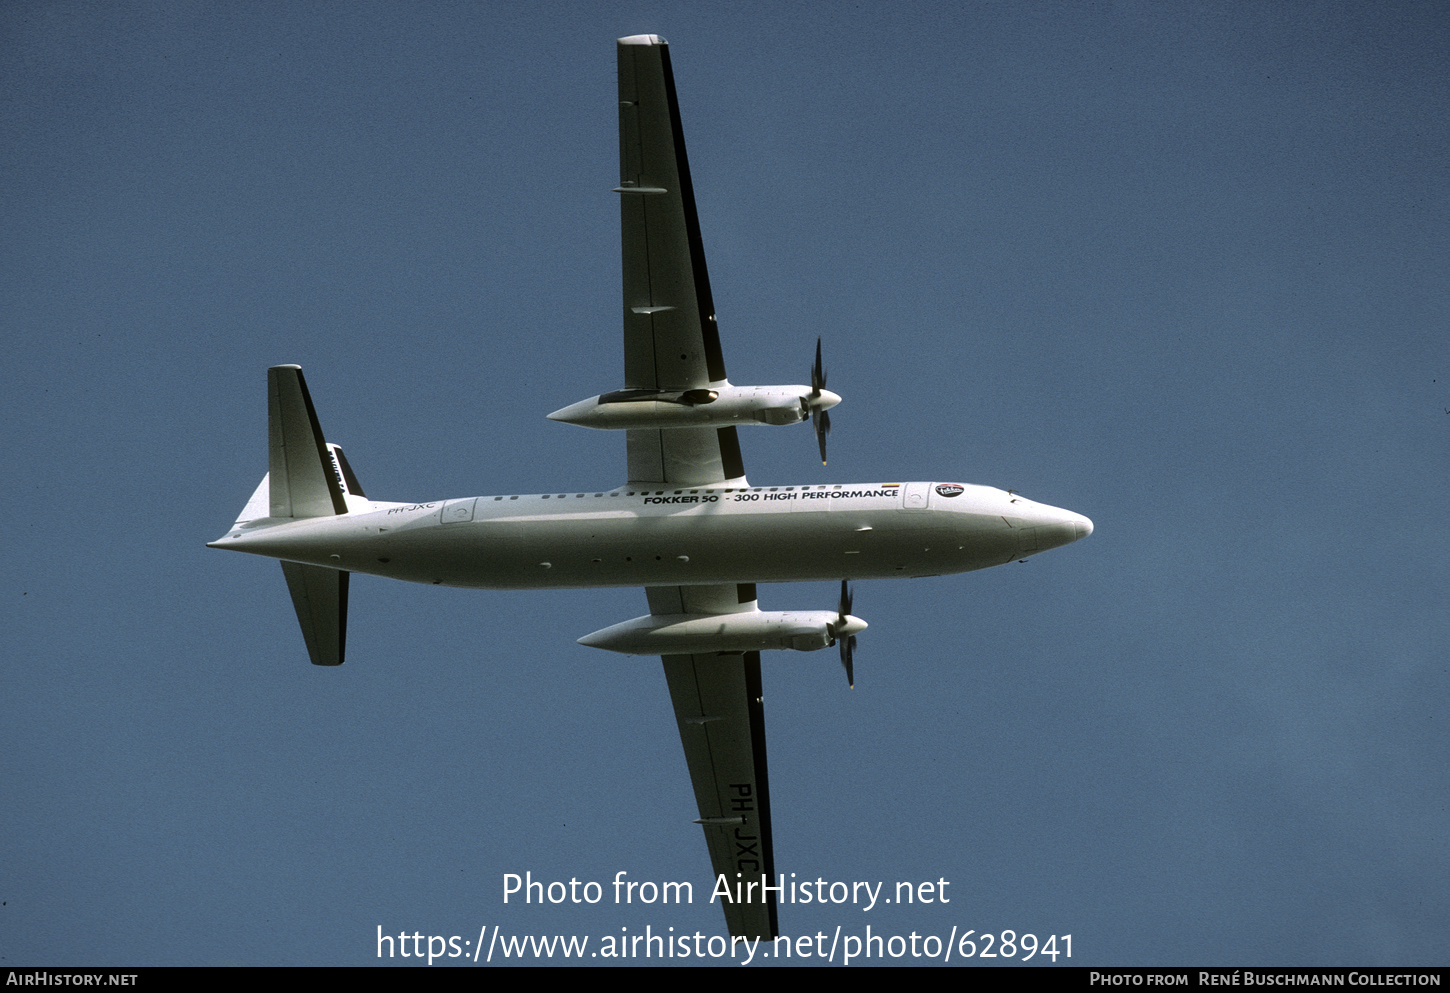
309,478
259,507
352,490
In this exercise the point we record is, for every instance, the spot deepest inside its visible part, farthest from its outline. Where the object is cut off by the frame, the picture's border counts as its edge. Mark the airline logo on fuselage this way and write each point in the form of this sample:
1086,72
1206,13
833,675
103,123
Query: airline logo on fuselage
950,489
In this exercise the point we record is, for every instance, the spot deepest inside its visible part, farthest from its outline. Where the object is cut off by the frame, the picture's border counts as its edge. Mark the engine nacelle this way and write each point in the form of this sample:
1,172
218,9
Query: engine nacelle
703,634
716,406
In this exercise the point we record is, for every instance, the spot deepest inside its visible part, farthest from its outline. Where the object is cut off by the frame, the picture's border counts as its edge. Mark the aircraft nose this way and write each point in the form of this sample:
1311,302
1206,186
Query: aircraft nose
1054,529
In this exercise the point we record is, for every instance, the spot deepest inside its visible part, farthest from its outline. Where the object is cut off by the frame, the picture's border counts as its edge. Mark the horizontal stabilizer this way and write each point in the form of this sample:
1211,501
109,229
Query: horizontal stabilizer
305,478
320,596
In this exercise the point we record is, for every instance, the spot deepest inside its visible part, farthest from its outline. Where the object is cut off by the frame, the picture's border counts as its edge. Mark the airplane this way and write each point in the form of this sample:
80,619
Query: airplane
687,525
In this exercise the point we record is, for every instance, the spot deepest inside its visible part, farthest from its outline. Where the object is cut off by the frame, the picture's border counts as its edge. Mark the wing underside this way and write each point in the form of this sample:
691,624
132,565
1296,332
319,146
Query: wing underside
671,342
685,457
670,338
721,717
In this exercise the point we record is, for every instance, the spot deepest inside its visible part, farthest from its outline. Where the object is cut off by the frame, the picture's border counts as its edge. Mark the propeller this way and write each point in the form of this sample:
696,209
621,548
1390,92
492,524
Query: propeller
842,632
820,418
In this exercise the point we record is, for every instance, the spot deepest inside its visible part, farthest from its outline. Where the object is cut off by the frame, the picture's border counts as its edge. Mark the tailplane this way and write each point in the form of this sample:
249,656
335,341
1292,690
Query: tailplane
306,478
309,478
320,597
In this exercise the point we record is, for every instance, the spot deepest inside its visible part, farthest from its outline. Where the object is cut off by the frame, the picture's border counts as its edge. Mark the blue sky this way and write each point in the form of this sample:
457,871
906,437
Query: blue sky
1178,267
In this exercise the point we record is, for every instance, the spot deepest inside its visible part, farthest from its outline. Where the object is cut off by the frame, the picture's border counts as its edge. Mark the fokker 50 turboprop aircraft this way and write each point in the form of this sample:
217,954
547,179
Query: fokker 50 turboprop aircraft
687,525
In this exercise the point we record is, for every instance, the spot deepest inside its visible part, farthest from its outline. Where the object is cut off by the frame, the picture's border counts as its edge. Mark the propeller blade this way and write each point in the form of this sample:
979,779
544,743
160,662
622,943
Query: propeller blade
848,643
821,420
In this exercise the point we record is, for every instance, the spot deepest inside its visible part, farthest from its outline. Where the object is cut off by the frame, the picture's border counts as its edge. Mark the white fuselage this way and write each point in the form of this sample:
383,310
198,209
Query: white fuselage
675,537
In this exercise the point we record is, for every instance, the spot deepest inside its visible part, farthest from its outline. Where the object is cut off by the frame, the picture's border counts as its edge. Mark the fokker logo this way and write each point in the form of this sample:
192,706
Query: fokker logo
950,489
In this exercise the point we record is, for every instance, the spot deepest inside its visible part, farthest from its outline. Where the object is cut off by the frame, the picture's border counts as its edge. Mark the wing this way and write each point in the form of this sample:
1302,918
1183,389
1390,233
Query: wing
671,342
721,718
670,339
685,457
